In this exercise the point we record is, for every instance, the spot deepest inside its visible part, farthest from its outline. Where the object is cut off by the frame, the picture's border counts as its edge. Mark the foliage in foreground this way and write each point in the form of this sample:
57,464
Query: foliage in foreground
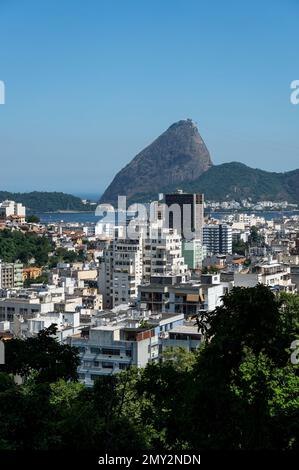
239,392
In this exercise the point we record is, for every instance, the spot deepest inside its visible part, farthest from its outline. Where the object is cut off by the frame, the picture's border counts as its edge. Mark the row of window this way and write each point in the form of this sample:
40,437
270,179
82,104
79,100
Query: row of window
21,310
96,376
106,351
9,317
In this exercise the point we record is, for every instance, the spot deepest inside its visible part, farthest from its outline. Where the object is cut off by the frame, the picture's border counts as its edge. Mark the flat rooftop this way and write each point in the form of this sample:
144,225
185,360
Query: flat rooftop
107,327
186,329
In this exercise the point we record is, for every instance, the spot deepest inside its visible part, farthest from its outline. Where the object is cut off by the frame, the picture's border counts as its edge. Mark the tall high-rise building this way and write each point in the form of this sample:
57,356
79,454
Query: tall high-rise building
191,218
162,253
126,263
121,271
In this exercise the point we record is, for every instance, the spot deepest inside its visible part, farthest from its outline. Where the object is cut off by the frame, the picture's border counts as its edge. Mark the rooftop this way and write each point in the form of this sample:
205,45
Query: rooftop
186,329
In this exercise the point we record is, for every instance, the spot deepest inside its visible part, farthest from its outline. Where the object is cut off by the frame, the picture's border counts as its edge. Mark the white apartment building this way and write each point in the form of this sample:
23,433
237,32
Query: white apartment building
163,253
23,307
38,299
127,262
68,323
12,209
120,271
273,273
270,273
248,219
121,342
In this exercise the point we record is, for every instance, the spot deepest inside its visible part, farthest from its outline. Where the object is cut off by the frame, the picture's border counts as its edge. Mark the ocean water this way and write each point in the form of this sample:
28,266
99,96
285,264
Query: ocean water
90,217
68,217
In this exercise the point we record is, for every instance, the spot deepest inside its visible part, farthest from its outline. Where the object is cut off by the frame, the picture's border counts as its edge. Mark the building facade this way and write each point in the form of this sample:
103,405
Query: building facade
11,275
217,238
191,213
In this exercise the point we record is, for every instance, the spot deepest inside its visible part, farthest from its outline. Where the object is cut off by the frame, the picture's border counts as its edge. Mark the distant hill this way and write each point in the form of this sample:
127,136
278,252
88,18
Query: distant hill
175,157
180,159
237,181
37,201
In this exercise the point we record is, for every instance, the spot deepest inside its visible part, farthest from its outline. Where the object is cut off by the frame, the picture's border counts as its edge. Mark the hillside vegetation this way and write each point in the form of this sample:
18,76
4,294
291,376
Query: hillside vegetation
237,181
46,201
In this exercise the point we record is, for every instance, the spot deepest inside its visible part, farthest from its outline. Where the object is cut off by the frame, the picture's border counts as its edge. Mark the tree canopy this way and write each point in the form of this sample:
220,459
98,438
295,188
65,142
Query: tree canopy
239,391
18,246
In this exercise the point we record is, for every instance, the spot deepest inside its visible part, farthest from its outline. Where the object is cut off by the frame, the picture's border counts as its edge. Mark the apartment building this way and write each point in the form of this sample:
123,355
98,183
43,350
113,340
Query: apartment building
270,273
38,299
9,307
162,253
120,271
217,238
191,217
169,294
11,275
194,252
119,342
185,336
13,210
126,263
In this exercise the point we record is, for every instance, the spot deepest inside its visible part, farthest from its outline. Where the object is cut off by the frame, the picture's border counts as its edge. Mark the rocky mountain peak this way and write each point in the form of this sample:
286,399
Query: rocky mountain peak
178,155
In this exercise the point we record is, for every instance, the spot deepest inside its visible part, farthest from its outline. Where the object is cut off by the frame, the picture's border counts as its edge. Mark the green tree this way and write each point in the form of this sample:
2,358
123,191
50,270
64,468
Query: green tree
239,391
62,255
239,247
43,355
179,358
255,238
251,332
18,246
32,219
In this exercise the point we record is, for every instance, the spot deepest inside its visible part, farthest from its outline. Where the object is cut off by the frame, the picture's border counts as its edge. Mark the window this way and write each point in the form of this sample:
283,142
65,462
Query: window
123,366
128,352
111,352
107,365
95,350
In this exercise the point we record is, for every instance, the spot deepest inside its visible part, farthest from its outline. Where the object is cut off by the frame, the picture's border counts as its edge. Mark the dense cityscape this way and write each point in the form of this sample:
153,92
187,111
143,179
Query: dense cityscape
131,329
149,233
124,301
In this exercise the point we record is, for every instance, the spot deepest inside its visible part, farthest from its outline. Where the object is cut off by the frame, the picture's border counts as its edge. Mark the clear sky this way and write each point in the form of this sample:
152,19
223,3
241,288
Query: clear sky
89,83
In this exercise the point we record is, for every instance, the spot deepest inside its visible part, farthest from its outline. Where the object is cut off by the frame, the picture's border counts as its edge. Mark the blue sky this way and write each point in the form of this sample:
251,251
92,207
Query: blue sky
90,83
